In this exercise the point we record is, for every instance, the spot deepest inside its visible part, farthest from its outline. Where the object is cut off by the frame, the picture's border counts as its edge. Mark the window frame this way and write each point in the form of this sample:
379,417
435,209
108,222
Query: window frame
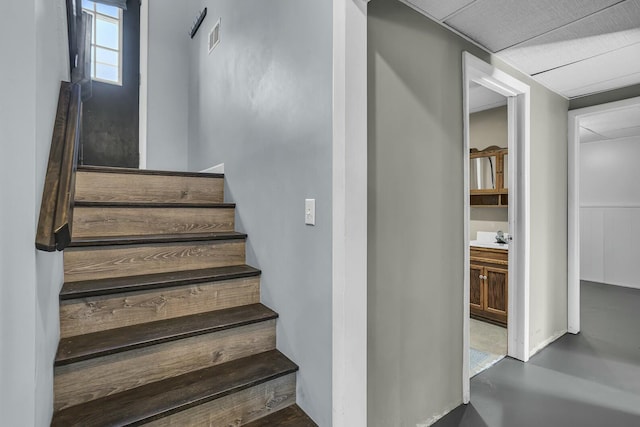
119,22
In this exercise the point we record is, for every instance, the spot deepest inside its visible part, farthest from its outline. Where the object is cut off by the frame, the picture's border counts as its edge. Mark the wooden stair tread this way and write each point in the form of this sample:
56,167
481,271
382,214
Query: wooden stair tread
143,204
87,346
162,398
291,416
110,169
155,238
90,288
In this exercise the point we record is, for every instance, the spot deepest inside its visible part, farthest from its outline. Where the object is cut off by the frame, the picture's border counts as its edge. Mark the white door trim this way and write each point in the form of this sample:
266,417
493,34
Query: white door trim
573,274
349,216
144,59
518,93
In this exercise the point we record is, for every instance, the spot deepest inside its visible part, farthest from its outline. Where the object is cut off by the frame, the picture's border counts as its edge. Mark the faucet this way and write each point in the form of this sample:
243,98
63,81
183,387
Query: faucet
501,237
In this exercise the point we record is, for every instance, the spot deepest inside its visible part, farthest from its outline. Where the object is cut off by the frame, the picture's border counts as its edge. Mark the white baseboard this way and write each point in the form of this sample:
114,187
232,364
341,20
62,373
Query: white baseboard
215,169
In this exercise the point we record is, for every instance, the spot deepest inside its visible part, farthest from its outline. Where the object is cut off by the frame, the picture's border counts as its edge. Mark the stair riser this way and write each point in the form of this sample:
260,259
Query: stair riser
119,187
86,315
238,408
131,260
126,221
87,380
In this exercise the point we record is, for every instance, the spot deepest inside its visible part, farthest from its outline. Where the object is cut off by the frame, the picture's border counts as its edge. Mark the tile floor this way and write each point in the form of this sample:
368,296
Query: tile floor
488,339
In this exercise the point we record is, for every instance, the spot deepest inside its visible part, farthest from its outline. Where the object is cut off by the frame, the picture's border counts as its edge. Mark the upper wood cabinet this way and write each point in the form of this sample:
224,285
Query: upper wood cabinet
488,177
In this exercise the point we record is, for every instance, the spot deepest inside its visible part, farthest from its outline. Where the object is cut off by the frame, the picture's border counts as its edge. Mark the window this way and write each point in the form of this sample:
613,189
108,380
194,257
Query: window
106,42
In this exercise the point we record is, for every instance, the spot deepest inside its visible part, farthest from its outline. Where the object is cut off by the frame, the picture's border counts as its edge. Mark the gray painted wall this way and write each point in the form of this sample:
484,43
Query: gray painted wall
416,215
261,103
168,85
29,280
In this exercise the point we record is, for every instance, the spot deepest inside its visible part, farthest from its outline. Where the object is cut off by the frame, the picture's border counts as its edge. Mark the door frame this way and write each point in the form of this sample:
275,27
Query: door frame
349,214
518,107
144,65
573,211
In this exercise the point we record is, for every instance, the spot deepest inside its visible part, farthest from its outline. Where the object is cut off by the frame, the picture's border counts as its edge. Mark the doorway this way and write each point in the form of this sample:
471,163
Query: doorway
488,227
604,138
110,124
516,175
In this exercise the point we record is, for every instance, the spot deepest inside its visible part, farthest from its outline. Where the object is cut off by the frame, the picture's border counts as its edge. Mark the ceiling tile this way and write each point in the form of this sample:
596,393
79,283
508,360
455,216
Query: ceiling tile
440,9
603,72
623,133
498,24
614,124
604,85
587,136
481,98
610,29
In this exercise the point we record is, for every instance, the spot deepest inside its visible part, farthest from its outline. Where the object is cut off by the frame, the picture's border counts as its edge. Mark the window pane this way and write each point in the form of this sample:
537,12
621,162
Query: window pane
107,10
107,34
86,4
107,56
107,72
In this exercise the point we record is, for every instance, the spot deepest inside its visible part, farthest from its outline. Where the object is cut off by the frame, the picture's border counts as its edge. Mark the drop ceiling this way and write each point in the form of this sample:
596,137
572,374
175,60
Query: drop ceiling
481,98
574,47
611,125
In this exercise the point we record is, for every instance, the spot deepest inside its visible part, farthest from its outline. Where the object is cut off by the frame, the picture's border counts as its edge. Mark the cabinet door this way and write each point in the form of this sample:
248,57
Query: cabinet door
476,287
495,298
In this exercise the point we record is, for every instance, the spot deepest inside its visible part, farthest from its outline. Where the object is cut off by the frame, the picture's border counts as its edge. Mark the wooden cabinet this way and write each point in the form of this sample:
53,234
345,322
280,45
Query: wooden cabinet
489,284
488,177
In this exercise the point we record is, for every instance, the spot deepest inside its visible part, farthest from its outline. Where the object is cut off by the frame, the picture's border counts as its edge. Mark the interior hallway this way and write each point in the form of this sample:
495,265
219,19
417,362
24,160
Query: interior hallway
590,379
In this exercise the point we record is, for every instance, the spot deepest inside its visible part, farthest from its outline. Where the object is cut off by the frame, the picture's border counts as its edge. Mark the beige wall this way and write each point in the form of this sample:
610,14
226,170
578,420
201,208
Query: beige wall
489,127
416,215
488,219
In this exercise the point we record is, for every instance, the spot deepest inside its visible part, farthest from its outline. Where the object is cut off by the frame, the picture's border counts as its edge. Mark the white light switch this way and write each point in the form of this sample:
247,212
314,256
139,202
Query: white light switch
310,211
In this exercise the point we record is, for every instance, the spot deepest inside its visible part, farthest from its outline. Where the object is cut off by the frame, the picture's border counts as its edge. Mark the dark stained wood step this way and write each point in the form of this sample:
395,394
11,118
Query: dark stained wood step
87,346
110,204
166,397
291,416
92,288
109,169
152,239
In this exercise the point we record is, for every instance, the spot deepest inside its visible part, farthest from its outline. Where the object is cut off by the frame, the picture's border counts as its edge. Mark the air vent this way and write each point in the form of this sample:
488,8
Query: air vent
214,36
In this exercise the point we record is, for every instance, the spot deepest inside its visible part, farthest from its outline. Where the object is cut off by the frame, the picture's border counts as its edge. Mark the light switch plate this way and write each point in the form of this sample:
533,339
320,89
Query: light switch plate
310,211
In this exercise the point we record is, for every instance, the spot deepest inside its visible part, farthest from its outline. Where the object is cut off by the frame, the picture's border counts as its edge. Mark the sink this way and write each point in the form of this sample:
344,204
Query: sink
489,245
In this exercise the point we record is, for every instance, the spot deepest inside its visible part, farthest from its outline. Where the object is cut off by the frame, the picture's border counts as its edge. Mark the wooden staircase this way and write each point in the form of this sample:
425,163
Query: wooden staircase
160,318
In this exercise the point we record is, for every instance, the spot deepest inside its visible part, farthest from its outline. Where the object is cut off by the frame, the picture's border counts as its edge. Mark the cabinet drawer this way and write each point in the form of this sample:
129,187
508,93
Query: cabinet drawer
493,256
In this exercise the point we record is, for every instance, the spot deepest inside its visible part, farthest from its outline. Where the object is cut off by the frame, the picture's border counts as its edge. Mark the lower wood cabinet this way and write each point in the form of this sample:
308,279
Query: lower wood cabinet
489,284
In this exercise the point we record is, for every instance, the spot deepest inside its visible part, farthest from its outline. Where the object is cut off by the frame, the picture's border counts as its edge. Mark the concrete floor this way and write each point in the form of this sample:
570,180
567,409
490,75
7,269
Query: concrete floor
586,380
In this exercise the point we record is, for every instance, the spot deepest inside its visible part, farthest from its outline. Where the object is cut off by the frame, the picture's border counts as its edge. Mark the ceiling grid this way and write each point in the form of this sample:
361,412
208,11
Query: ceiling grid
571,46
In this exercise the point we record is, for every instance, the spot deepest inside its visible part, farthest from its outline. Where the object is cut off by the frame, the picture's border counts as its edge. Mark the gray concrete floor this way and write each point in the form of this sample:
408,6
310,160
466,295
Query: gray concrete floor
587,380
